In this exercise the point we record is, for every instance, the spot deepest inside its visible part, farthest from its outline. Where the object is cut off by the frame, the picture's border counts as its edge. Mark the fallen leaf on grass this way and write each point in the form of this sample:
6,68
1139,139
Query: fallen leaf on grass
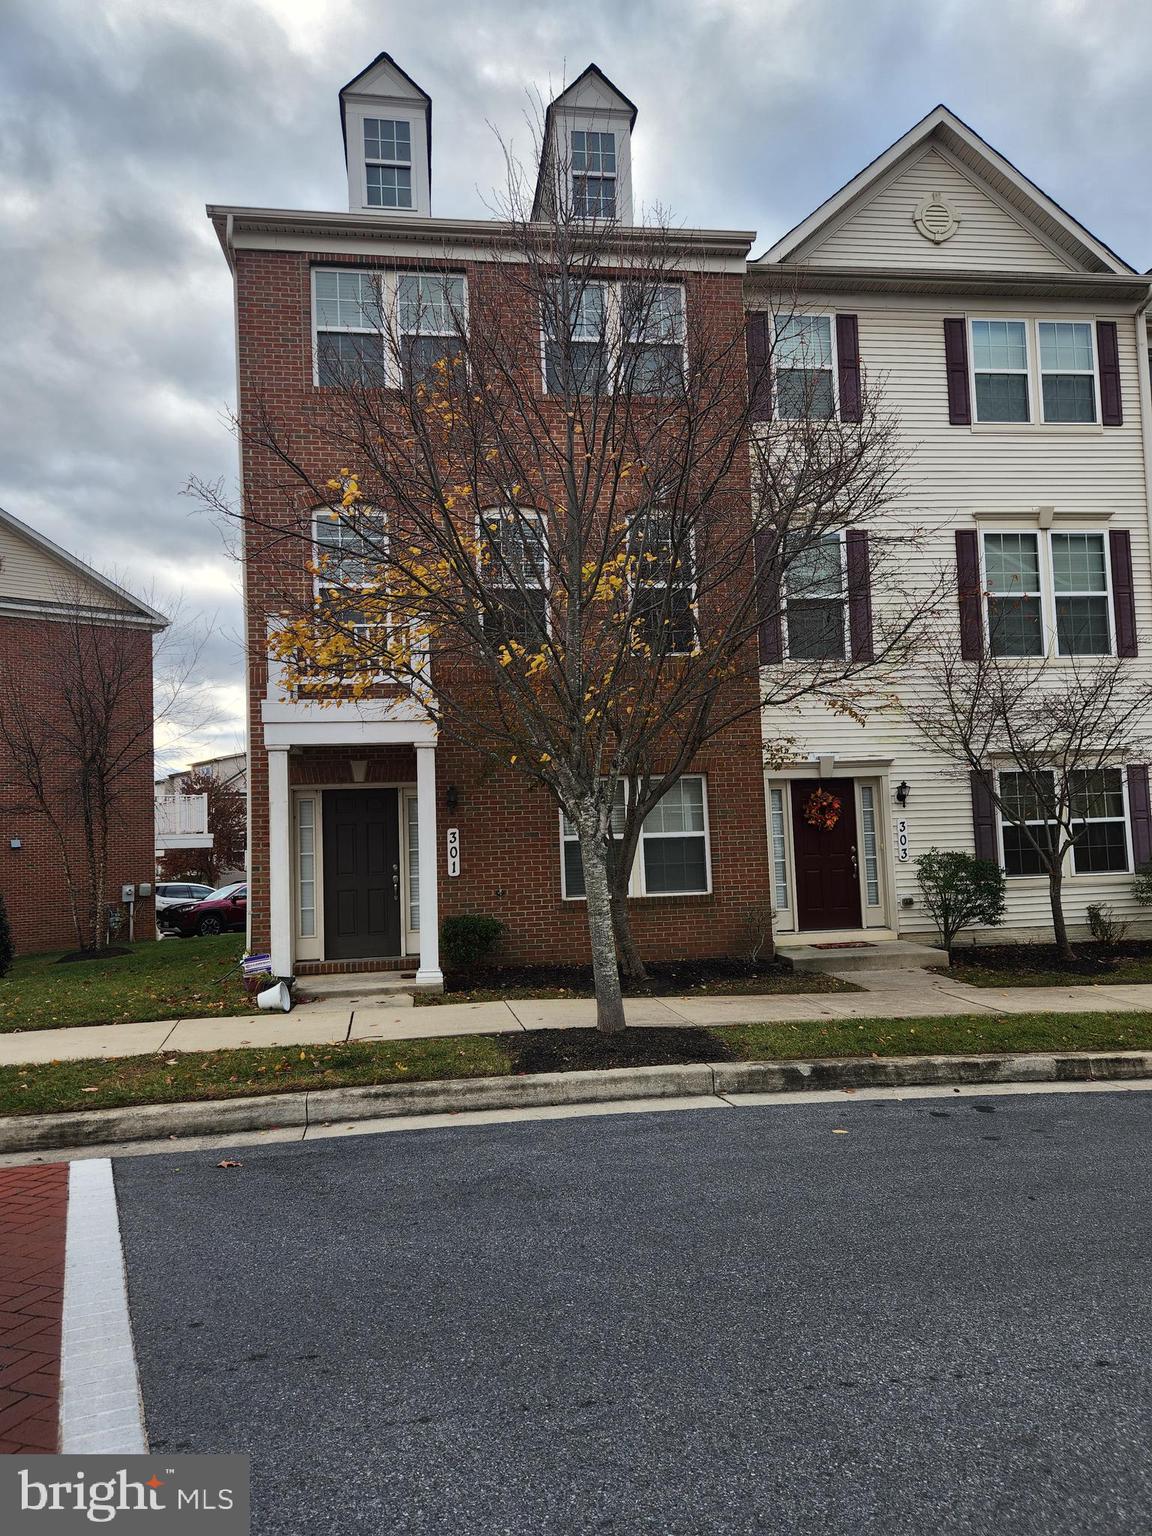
839,1133
89,1090
229,1163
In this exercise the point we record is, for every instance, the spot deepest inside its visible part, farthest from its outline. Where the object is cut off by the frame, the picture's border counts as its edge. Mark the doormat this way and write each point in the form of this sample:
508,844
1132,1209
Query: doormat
848,944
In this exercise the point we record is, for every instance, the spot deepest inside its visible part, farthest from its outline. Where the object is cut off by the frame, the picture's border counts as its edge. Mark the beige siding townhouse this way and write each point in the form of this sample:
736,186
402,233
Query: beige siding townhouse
1012,344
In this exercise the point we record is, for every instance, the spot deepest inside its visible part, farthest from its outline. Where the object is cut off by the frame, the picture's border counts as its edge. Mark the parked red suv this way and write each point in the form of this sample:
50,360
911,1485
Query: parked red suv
223,911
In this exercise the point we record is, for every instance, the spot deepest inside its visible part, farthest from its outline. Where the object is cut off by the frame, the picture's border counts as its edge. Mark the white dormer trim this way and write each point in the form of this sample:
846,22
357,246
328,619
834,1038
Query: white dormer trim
383,90
1075,243
592,104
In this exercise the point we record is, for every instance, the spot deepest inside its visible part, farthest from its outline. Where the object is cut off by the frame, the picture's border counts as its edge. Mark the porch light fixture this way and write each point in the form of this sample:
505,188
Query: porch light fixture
451,797
903,790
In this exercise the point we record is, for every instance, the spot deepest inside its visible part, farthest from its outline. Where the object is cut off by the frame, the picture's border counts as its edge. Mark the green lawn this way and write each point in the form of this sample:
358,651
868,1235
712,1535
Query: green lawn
169,979
172,1078
1136,968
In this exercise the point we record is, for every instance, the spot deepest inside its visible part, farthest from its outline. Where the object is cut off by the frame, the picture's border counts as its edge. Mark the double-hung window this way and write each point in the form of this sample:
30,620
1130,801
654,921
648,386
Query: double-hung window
1000,370
673,857
593,174
1097,813
1020,568
430,317
388,162
351,554
653,337
384,328
1067,370
514,568
803,363
1015,601
815,603
350,339
576,353
664,591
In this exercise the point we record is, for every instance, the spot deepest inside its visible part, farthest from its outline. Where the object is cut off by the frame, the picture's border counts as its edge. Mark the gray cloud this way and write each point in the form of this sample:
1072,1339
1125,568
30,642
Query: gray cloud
119,119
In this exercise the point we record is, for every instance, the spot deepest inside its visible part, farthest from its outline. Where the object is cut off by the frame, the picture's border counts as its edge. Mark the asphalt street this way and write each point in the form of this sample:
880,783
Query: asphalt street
707,1321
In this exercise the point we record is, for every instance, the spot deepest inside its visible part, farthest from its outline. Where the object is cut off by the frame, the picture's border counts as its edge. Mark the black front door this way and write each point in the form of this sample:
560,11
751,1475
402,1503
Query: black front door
827,882
361,874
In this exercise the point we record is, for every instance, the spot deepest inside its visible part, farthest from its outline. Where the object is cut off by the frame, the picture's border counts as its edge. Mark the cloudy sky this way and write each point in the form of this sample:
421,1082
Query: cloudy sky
120,119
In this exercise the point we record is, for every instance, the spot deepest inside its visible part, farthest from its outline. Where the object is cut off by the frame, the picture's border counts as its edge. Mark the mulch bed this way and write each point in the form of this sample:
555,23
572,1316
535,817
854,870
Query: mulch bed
586,1050
111,952
668,978
1023,958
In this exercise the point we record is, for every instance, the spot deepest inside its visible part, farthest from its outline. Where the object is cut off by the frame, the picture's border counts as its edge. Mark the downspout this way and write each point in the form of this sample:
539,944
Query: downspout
1144,373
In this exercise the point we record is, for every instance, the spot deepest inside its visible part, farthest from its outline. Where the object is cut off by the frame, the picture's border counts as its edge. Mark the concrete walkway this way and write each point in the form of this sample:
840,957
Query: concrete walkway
885,994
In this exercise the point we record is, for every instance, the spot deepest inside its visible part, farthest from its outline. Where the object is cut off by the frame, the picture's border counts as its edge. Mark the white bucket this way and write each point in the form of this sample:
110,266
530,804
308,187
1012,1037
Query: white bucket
278,995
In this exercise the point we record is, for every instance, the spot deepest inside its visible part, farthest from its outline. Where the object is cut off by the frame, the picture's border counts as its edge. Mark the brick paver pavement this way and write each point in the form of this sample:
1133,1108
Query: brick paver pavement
33,1214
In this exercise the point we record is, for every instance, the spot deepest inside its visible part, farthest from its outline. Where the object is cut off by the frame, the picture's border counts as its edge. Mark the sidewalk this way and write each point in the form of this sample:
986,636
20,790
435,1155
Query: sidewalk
886,994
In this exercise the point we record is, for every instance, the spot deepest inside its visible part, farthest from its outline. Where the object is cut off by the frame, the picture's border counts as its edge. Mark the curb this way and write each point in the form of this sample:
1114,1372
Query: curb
222,1117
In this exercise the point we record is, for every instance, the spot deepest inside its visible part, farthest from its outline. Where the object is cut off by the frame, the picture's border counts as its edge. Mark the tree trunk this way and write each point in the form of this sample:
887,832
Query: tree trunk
632,966
605,971
1059,928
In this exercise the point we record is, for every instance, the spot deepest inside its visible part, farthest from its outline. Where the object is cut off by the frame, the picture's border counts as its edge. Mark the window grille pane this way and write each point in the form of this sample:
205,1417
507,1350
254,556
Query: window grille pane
1069,397
350,553
816,630
1002,397
1097,794
680,810
816,570
581,368
430,303
1020,857
1015,627
594,197
998,345
1103,848
306,866
1078,562
346,299
803,342
1082,627
871,859
389,186
674,864
1024,797
1065,346
1012,562
387,139
350,358
431,360
805,395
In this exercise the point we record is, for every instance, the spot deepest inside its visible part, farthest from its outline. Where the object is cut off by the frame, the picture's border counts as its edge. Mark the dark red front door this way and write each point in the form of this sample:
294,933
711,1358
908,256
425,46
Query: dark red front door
827,882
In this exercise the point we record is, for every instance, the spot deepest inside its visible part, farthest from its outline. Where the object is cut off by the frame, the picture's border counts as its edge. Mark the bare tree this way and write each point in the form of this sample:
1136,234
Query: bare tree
575,581
79,730
1048,740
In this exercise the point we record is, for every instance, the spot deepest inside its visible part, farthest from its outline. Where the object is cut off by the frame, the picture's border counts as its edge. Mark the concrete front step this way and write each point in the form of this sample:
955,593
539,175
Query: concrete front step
896,955
366,990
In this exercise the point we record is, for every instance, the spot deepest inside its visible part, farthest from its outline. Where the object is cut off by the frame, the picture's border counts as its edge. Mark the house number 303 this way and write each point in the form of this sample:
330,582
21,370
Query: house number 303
902,840
453,850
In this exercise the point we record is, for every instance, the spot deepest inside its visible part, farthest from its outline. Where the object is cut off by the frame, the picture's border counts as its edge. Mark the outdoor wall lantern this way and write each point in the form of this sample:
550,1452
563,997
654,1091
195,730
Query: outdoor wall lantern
902,792
451,797
359,767
14,842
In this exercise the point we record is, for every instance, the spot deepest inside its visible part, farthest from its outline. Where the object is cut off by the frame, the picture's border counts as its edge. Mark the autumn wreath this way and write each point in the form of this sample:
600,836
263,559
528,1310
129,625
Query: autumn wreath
822,810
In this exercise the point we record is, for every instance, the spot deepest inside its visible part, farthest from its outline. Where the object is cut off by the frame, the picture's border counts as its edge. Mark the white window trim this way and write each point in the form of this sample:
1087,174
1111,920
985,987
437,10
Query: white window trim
1035,375
1094,371
394,111
834,365
1047,593
637,885
611,175
839,535
525,514
387,284
614,339
1068,863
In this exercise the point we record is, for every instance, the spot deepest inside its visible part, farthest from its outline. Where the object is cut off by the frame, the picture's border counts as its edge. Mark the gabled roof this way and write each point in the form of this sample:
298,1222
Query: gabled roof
977,155
354,83
593,72
128,609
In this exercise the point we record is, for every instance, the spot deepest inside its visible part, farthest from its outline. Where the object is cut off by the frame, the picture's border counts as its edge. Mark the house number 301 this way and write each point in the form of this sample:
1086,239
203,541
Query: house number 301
902,840
453,850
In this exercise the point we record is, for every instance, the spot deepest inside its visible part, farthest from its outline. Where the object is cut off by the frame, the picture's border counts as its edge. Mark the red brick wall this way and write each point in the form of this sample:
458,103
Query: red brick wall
509,830
31,878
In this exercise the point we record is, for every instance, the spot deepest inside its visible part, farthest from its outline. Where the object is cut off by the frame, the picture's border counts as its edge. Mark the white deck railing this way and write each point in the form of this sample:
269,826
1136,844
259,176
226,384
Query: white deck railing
182,822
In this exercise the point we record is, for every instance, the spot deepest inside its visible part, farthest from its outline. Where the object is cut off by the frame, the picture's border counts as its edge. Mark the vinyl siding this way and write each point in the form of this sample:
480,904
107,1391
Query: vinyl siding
881,233
954,473
30,574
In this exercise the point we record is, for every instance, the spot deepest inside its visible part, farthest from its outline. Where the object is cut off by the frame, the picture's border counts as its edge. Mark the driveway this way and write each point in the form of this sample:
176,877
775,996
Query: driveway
705,1321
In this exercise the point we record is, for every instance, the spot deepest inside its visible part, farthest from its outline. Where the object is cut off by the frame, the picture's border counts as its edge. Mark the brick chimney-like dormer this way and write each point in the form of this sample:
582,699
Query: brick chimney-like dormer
387,124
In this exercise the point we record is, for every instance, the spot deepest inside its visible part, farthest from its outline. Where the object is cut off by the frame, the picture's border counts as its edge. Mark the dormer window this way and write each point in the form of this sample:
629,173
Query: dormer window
388,162
593,174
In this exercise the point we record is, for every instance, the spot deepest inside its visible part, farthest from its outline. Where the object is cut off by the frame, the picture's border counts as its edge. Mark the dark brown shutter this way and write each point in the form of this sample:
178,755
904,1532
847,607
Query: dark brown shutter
859,595
956,365
1108,361
1139,814
848,365
984,815
1123,596
968,594
770,632
759,367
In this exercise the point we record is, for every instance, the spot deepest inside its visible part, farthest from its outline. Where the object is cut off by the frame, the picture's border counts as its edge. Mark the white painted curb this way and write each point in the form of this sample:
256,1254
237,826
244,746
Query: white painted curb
100,1407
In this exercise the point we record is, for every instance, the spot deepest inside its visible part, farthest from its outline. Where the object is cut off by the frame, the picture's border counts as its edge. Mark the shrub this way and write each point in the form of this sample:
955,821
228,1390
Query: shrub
1142,885
7,952
1107,929
960,892
467,941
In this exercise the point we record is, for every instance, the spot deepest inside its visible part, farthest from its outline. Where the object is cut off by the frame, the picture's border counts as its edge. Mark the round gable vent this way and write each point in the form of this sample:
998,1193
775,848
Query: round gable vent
936,219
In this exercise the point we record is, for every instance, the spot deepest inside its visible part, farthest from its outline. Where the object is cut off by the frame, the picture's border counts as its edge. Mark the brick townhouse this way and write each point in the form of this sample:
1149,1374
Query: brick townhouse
353,806
48,599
